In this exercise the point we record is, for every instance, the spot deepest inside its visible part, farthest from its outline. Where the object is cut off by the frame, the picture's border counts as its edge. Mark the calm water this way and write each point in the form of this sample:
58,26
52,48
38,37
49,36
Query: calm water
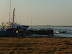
67,29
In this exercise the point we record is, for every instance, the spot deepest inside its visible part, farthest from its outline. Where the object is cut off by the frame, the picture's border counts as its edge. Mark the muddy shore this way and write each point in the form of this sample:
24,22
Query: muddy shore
35,45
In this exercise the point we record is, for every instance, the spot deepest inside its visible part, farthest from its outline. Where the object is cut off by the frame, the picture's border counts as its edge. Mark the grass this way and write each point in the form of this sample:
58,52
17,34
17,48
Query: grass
35,45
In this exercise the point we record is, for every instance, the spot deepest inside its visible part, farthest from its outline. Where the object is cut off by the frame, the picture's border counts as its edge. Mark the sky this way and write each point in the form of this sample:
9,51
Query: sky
37,12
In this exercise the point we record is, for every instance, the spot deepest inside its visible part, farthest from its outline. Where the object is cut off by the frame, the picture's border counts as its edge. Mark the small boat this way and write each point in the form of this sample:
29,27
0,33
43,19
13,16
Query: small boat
57,32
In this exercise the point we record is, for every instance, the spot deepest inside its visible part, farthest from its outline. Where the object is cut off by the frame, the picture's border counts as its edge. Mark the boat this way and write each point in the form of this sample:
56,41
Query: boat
12,28
57,32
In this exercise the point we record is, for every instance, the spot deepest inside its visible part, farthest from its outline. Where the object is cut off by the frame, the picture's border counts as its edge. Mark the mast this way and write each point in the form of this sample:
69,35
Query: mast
13,17
31,22
10,12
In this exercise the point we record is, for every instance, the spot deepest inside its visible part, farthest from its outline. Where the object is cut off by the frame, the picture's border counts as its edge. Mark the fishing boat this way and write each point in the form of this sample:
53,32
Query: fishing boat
12,28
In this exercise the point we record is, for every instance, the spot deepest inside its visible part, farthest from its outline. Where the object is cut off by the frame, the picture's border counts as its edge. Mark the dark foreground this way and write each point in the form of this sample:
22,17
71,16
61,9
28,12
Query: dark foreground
35,45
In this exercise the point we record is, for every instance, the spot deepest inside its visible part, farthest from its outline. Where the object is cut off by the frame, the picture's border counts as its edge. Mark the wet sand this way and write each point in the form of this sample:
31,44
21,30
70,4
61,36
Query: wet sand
35,45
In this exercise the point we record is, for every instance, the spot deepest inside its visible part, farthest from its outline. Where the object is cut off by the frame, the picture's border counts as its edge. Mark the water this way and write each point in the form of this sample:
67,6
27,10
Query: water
67,29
